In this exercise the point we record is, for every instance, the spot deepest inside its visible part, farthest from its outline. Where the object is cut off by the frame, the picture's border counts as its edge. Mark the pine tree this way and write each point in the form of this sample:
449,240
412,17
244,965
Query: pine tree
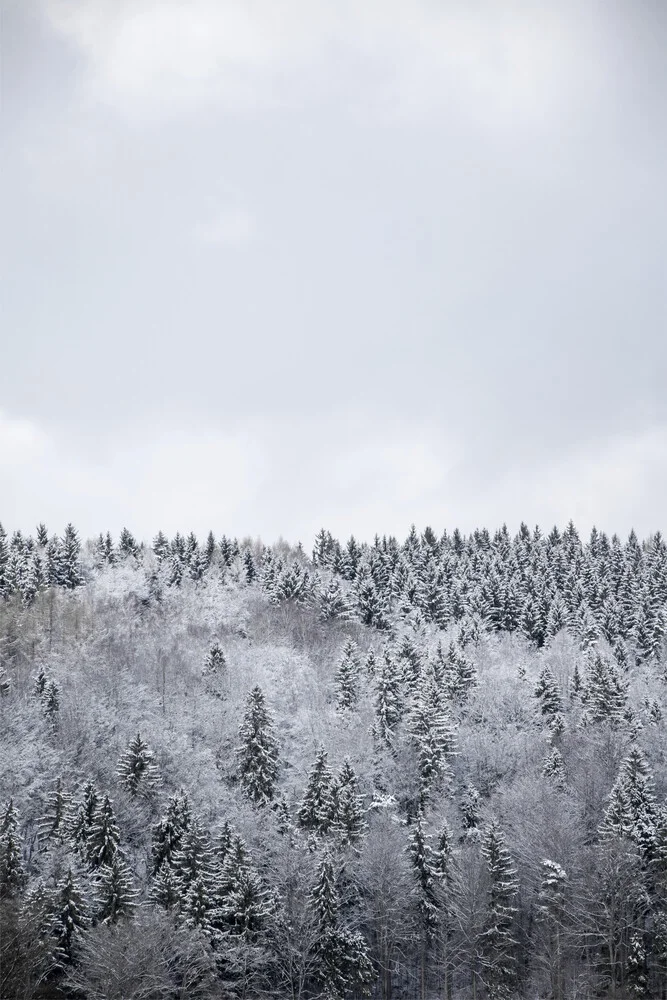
497,944
71,575
136,768
115,892
85,815
371,605
42,535
604,694
347,677
315,809
51,702
71,919
632,811
331,602
52,825
421,858
348,817
343,961
161,547
249,568
127,544
103,836
554,768
194,862
12,875
168,834
470,811
547,692
552,917
246,904
258,753
40,682
388,698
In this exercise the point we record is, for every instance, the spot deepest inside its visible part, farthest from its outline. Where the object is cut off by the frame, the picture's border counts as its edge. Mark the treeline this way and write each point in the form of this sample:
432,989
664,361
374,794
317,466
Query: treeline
433,768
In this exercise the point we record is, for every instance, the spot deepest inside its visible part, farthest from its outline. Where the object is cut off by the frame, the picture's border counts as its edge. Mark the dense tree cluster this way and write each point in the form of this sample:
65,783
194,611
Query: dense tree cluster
429,768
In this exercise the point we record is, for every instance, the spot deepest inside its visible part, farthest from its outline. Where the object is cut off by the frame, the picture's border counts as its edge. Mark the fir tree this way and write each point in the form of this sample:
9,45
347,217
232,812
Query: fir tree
470,811
552,917
348,817
315,809
168,834
12,875
427,902
497,944
632,809
103,836
136,768
52,825
127,545
388,698
84,817
161,547
71,919
42,535
249,568
40,682
604,694
115,892
547,692
51,702
554,768
347,677
71,576
371,605
258,753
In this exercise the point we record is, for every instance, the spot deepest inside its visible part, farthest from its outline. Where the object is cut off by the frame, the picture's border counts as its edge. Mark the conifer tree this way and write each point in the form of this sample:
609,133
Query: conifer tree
70,918
446,873
103,836
168,834
257,754
115,892
421,860
161,547
127,544
5,683
52,826
343,962
371,605
347,677
604,694
136,768
388,699
40,682
554,768
12,875
70,564
315,809
85,815
547,692
42,535
552,916
632,811
332,602
497,944
249,568
348,817
51,702
470,811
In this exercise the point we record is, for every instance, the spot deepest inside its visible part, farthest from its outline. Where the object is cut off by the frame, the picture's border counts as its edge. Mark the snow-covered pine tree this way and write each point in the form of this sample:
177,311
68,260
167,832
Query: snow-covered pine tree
136,768
604,693
315,810
115,894
553,917
554,768
348,818
12,874
257,754
103,836
52,825
470,812
421,859
547,692
84,816
70,918
388,698
70,562
632,811
51,702
168,834
497,943
347,677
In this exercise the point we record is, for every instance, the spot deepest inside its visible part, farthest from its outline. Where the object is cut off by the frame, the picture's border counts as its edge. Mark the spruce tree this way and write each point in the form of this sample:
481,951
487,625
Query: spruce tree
103,836
85,815
547,692
51,702
52,826
552,917
604,693
470,811
5,683
257,754
136,768
348,817
70,918
315,810
115,892
12,875
631,811
71,575
388,698
347,677
497,944
421,859
168,834
42,535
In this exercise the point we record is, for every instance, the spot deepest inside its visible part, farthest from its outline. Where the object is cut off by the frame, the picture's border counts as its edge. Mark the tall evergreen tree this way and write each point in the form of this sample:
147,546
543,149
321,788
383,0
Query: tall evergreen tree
103,836
70,918
347,677
71,574
136,768
115,893
257,754
497,943
315,810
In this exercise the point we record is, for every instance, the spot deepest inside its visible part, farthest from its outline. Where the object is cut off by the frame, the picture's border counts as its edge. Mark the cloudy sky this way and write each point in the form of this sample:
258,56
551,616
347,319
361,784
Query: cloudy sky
269,265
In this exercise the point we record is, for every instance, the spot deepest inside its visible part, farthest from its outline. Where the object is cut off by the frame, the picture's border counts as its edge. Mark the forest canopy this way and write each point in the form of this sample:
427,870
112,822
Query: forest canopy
433,767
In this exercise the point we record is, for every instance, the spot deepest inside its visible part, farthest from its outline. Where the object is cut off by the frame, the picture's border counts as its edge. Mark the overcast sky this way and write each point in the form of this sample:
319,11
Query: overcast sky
269,265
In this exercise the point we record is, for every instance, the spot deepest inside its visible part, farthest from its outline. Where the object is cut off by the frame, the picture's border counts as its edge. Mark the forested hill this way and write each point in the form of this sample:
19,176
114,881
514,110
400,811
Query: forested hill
428,768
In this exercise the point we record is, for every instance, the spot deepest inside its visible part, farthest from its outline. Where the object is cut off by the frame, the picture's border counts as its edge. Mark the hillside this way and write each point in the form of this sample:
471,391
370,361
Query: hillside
424,768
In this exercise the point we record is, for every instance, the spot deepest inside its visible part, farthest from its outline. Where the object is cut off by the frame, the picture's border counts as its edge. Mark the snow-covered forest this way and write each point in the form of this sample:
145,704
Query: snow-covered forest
429,768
